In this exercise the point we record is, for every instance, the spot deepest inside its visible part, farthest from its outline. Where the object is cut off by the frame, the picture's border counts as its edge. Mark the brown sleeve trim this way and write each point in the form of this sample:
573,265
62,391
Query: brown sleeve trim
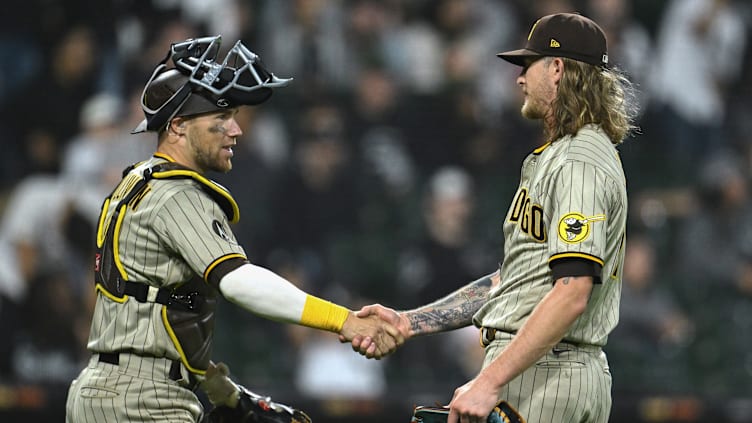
222,266
575,266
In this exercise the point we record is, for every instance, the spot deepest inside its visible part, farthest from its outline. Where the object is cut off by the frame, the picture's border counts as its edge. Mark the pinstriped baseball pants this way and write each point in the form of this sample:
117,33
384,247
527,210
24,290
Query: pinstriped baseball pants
569,384
138,389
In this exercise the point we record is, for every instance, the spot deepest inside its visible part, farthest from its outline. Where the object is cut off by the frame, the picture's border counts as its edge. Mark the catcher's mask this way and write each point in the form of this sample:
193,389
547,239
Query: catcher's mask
199,83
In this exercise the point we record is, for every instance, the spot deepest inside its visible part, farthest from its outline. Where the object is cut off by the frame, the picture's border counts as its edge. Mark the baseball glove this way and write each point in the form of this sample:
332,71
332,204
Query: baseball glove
234,403
253,408
502,413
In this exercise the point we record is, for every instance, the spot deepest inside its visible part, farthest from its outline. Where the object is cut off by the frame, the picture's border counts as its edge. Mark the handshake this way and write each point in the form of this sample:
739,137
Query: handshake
375,331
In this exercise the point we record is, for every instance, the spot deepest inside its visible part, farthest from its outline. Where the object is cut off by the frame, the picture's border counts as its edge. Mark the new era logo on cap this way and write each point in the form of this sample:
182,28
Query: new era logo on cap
563,35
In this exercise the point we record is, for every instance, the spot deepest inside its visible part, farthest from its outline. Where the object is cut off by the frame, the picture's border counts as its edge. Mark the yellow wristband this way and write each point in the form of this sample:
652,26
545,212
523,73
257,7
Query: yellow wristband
321,314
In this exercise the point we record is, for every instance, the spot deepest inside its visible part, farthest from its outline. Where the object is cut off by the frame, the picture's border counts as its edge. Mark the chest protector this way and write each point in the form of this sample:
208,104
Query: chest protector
188,309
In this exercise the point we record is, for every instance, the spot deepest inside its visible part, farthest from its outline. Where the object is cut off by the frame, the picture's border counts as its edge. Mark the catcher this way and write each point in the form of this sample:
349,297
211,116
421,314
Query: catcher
165,253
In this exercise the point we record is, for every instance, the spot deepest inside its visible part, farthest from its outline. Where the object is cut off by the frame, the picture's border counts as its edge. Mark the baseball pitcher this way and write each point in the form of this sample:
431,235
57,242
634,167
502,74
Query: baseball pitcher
546,313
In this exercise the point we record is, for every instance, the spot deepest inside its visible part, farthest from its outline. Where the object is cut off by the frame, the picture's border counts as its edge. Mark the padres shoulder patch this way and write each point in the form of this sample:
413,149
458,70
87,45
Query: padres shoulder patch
575,227
220,230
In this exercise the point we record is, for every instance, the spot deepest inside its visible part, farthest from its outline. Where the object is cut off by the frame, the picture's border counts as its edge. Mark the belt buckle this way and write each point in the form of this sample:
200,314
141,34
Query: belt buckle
562,347
487,336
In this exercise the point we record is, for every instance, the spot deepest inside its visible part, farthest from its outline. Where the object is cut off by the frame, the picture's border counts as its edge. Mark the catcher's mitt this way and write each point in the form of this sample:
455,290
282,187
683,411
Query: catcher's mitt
502,413
253,408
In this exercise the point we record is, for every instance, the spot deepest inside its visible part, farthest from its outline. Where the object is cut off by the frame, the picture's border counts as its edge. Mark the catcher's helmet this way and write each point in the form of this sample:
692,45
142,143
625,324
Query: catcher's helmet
199,83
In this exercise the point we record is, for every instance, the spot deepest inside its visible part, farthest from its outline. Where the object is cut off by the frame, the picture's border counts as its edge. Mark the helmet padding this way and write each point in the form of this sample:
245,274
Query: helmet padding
200,84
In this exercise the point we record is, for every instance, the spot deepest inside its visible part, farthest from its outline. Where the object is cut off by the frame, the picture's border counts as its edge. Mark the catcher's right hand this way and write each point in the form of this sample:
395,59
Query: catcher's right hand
253,408
218,386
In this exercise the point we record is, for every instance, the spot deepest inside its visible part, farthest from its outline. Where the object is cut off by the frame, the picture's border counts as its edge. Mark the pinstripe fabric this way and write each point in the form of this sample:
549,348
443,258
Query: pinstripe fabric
582,175
166,240
571,202
570,385
167,236
137,390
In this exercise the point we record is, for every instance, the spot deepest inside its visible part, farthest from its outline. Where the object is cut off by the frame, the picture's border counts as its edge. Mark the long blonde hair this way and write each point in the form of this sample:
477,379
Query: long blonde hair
591,94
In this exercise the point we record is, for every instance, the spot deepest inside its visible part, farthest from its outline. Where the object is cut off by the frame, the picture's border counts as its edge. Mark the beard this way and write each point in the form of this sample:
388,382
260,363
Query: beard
532,110
216,164
212,160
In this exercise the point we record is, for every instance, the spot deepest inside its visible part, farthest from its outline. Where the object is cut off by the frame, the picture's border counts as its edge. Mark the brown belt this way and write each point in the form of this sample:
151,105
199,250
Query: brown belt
488,335
174,374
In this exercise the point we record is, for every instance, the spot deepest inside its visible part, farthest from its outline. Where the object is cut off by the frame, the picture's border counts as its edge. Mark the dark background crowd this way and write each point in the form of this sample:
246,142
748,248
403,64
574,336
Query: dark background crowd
383,174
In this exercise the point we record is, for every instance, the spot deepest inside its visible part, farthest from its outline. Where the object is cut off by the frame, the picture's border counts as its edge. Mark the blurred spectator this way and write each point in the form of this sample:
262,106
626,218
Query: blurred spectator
324,370
547,7
97,155
648,347
46,279
36,227
259,161
316,197
56,94
305,39
464,95
714,267
418,52
51,346
386,166
375,121
143,44
630,46
371,35
391,92
699,54
465,350
441,259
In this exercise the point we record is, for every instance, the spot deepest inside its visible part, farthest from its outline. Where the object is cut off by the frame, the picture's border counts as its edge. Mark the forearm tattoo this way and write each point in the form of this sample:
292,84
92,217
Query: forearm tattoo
454,311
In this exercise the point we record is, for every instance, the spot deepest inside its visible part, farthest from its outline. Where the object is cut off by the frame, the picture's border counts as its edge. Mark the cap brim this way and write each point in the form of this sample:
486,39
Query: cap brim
518,57
140,128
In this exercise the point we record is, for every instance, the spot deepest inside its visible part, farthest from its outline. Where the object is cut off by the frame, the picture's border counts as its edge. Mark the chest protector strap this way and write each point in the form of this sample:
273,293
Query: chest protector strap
189,308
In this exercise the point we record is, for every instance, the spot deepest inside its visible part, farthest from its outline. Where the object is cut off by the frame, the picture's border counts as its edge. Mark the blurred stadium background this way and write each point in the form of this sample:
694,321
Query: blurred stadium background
382,175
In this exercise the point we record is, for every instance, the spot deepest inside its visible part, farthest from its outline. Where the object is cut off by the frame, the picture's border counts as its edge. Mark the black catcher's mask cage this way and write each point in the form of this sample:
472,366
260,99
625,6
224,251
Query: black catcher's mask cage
204,84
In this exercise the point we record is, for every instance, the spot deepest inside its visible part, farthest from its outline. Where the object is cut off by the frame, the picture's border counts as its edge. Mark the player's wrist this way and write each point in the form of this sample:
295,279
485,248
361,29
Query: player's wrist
409,330
322,314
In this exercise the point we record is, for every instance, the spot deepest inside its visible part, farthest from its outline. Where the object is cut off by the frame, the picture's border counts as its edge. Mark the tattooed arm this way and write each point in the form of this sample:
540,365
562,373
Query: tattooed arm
454,311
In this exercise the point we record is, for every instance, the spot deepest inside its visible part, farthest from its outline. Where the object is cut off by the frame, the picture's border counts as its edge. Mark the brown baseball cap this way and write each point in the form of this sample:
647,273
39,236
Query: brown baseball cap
563,35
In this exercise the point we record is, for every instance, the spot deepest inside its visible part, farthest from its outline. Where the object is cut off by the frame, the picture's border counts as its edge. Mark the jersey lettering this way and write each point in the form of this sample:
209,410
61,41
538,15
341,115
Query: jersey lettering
125,186
133,204
519,203
528,216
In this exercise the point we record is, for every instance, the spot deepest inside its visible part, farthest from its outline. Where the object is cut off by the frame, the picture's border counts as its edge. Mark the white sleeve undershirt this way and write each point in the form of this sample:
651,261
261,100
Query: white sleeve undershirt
263,292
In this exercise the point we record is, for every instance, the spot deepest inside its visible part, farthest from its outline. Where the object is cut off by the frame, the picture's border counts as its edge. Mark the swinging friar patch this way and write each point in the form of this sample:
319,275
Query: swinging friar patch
575,227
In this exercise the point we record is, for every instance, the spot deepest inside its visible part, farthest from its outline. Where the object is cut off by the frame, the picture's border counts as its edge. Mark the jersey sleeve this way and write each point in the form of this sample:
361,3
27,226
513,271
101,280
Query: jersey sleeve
578,230
196,228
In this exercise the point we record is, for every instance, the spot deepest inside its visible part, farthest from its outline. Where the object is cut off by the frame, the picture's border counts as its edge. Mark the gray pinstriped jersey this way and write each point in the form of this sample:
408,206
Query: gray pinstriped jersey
571,202
171,233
